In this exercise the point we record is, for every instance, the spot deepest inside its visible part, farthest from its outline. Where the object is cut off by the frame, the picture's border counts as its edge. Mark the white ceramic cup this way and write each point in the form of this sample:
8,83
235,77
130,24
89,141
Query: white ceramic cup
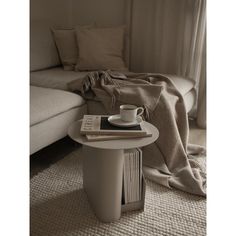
128,113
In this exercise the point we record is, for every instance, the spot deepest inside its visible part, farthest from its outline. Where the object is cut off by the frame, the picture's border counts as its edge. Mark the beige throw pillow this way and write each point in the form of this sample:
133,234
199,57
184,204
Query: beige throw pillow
65,40
101,49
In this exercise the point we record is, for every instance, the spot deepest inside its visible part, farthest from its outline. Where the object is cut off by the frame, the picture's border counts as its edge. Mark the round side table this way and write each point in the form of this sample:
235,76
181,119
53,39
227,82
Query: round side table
103,169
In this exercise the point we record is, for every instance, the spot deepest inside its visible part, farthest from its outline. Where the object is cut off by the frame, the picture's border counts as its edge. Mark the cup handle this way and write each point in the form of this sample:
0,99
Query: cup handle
141,111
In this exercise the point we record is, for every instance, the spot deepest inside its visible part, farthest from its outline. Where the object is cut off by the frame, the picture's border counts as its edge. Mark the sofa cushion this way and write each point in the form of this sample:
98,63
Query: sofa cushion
65,40
101,49
43,51
126,42
184,85
46,103
44,133
190,99
56,78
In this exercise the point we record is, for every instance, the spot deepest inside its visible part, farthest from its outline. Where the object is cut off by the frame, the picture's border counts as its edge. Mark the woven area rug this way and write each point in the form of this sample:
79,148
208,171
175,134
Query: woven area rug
59,206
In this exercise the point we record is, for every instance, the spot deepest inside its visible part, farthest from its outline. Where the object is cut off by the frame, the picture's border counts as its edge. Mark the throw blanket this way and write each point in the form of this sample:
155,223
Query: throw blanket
170,161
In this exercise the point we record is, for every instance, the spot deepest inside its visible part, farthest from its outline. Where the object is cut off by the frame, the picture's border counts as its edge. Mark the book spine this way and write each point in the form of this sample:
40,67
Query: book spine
114,132
103,137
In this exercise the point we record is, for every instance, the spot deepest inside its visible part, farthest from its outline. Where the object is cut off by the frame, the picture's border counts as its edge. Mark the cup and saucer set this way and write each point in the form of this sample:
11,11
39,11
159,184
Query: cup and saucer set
130,116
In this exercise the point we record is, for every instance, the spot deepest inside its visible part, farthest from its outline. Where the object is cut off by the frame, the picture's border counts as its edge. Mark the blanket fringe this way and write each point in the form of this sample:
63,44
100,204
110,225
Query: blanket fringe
146,113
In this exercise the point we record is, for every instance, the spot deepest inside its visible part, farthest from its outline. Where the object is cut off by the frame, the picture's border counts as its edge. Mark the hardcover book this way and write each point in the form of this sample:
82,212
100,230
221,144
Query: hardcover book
104,137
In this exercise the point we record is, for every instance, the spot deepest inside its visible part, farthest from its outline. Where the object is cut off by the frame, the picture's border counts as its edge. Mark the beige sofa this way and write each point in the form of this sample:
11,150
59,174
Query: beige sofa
51,112
52,107
57,78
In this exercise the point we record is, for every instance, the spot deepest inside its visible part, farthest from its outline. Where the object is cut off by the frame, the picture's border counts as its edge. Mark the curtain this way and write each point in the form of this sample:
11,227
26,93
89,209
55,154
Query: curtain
168,36
201,105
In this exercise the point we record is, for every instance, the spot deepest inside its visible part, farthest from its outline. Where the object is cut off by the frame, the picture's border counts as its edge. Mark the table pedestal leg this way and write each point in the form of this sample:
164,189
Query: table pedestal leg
102,180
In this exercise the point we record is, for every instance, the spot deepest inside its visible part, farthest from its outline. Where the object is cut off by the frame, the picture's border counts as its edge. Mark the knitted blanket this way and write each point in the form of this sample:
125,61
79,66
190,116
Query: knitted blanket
171,161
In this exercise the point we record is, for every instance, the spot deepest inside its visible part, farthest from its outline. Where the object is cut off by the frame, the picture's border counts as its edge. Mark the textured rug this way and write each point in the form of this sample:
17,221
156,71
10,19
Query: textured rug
59,206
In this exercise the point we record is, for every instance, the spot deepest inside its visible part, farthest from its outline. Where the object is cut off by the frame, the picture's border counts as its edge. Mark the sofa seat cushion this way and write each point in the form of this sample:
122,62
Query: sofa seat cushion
55,78
46,103
58,78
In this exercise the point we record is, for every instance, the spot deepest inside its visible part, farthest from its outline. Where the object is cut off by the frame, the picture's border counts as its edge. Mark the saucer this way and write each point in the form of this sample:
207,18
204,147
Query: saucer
116,120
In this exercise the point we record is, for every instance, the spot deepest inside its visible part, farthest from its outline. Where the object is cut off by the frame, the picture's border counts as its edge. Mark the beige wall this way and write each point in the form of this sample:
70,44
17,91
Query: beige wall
51,11
72,12
45,14
103,12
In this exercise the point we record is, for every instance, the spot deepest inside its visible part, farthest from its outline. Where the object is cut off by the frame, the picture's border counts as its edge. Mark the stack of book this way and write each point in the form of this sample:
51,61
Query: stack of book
98,128
132,176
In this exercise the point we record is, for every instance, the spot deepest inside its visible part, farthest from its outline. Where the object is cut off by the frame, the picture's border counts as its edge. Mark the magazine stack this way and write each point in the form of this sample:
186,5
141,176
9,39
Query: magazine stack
132,178
133,192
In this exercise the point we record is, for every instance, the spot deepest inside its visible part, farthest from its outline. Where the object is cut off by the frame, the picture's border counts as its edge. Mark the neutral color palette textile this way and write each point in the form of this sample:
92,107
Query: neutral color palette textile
170,37
171,161
65,40
55,78
59,206
46,103
101,48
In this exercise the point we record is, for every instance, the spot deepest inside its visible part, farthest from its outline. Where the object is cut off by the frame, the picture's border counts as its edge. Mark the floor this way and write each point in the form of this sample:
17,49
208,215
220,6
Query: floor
51,154
42,159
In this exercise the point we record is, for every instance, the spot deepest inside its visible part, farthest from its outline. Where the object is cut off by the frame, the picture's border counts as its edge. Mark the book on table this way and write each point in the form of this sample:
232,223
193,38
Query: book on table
104,137
97,127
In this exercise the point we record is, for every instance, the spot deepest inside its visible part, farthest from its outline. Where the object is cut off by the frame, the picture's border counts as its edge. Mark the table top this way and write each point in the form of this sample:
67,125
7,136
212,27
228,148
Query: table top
74,133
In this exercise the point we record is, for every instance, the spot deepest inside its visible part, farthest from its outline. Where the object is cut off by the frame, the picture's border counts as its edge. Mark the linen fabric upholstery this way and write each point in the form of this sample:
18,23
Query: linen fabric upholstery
66,43
101,49
51,113
46,103
183,84
43,51
65,40
55,78
126,54
127,50
49,131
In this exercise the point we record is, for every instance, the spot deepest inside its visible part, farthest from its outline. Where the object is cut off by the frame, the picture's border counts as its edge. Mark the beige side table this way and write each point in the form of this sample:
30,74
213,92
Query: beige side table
103,169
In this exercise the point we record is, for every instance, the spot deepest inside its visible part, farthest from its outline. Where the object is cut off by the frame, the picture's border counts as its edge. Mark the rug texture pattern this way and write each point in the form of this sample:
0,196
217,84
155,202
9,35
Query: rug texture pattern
59,206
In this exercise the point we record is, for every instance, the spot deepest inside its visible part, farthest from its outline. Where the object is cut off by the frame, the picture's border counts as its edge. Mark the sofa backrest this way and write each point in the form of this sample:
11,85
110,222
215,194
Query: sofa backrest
45,14
43,51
